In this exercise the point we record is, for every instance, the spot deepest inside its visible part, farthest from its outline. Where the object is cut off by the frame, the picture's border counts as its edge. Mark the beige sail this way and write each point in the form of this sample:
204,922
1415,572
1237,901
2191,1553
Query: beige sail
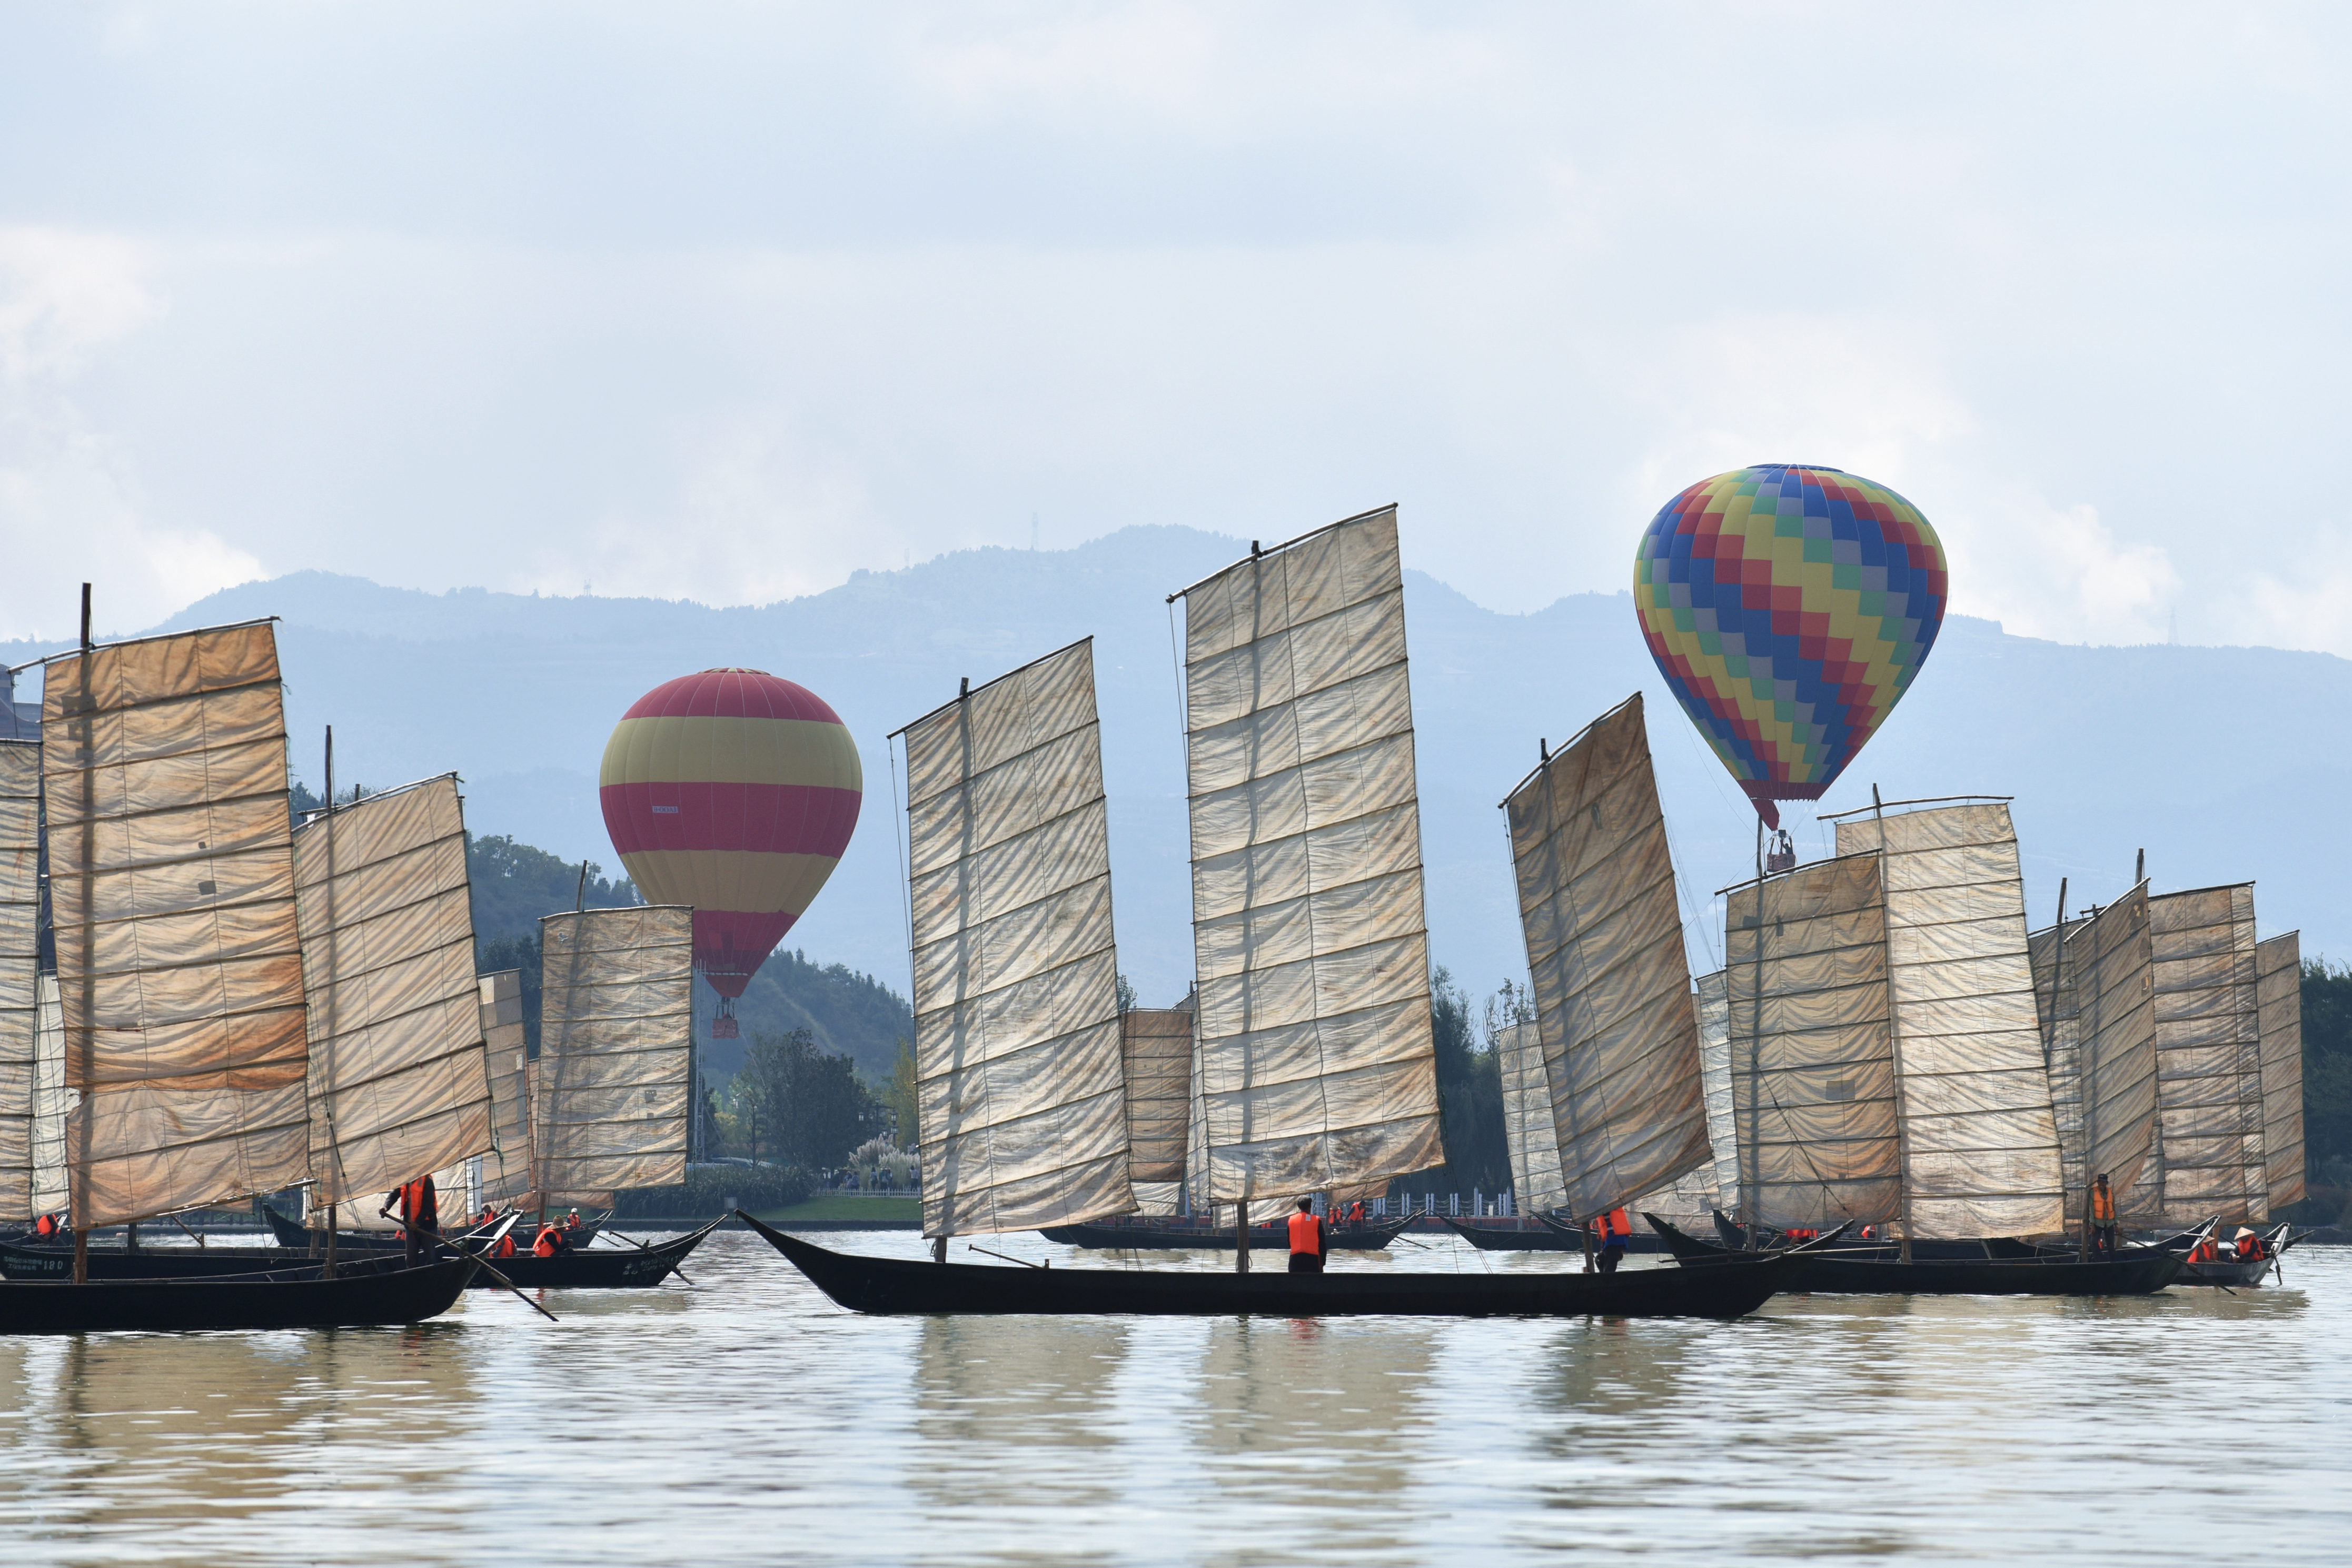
1812,1057
1981,1140
616,1043
2207,1061
1318,1068
53,1103
399,1079
1611,978
1019,1077
2059,1014
2279,977
2112,962
1714,1073
1157,1042
1528,1129
171,895
20,959
507,1168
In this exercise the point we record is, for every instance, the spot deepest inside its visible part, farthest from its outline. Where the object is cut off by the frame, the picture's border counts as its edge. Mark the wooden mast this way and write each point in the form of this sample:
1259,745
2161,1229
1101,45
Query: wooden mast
89,852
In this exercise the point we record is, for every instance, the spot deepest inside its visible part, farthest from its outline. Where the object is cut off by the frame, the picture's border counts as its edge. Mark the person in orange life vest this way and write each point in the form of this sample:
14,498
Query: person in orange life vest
1870,1233
2204,1251
550,1241
1356,1212
2248,1245
2102,1219
572,1220
1306,1239
506,1244
419,1212
1616,1231
46,1226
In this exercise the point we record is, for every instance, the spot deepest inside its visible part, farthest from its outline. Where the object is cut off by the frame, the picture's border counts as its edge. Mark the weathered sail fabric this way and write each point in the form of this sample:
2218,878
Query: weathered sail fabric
1981,1140
2279,979
1318,1068
2207,1058
616,1043
1157,1042
20,918
1714,1073
1812,1061
172,894
2059,1012
1019,1072
507,1168
1612,978
399,1077
1527,1129
2113,963
53,1103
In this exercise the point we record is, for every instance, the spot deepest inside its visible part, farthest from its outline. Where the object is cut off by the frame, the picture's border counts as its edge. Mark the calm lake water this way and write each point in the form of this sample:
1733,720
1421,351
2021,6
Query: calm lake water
745,1419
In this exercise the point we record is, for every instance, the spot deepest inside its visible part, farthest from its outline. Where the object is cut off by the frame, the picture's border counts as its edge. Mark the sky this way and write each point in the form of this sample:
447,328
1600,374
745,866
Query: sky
728,301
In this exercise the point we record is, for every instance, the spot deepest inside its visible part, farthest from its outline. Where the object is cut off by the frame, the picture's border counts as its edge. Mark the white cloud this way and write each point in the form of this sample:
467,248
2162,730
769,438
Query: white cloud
2058,573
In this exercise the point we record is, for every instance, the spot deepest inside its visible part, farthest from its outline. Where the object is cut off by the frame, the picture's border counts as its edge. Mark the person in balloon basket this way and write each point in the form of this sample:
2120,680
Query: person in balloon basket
1306,1239
419,1212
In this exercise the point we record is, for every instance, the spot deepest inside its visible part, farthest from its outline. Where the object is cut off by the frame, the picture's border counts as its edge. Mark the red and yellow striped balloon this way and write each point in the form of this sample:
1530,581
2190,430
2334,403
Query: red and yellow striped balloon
735,792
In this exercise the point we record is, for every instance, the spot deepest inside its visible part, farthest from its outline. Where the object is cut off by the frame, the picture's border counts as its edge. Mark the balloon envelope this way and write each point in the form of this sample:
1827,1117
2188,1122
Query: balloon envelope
735,792
1789,607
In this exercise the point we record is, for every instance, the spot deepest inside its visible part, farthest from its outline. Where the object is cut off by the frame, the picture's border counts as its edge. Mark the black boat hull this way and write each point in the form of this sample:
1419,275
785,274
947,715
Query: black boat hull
1996,1248
1372,1237
1508,1235
606,1269
892,1285
1880,1271
292,1233
54,1263
284,1300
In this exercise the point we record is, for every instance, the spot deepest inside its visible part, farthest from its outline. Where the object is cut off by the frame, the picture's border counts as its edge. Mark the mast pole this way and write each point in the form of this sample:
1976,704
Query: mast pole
1894,1033
1241,1235
88,866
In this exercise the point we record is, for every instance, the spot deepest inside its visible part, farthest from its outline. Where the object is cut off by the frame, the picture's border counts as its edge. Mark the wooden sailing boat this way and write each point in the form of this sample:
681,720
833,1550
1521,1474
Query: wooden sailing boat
1314,1068
180,972
2095,979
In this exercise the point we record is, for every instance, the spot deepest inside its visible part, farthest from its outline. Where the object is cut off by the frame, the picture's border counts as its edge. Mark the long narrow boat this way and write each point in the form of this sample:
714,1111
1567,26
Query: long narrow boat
1145,1234
607,1268
891,1285
1733,1238
285,1298
1533,1233
1877,1270
292,1233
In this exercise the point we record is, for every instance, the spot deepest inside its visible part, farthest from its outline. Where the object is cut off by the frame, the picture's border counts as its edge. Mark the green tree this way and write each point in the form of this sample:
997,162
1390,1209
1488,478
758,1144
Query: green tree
2326,1089
812,1109
1470,1100
902,1096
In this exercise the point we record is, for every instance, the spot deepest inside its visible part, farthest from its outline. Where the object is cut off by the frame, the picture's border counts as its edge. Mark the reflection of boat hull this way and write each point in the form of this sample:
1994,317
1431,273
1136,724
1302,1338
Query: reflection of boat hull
1164,1237
1877,1271
270,1301
891,1285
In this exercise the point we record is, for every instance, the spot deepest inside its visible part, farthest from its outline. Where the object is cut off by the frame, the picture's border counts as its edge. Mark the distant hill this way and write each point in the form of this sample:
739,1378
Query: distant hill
2224,764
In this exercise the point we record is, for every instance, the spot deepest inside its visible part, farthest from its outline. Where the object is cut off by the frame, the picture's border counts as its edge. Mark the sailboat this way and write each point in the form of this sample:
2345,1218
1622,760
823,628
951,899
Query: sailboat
1313,1064
1888,1066
180,973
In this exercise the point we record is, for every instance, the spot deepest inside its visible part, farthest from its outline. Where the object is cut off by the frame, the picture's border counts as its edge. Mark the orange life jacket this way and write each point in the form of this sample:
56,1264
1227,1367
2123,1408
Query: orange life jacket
2250,1249
1615,1224
1306,1233
416,1202
2103,1205
545,1245
506,1244
46,1225
2204,1251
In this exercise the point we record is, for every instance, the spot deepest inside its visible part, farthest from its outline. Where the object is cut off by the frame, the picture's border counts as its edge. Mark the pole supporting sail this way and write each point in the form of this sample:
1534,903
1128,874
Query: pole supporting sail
172,893
1019,1075
20,963
399,1077
1610,975
1981,1138
2279,976
1318,1063
2207,1058
615,1039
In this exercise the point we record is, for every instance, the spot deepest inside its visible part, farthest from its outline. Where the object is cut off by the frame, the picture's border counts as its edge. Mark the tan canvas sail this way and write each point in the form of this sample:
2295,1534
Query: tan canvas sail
2279,970
1019,1077
20,956
53,1103
1158,1046
2207,1060
1527,1118
2059,1012
1981,1140
171,895
616,1043
399,1079
1612,981
1812,1058
2113,989
1318,1068
1714,1072
507,1168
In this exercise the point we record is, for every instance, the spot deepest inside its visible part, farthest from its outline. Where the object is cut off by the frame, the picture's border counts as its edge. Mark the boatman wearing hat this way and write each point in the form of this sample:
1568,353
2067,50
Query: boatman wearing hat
1306,1239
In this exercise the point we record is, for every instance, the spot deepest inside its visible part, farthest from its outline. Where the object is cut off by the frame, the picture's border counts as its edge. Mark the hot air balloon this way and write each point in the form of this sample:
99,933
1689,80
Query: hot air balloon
1790,606
735,792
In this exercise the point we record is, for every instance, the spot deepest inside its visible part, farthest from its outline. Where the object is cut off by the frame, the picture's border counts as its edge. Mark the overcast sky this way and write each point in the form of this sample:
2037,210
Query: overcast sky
725,302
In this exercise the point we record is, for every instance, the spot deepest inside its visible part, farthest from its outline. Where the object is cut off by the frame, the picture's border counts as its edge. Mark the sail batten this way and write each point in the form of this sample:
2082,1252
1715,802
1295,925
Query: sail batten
1020,1060
171,882
1979,1134
20,958
1610,976
1316,1065
610,1096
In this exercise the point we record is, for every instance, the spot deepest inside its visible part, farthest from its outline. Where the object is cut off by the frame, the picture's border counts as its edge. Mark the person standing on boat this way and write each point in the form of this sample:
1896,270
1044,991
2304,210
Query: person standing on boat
2102,1219
419,1212
1307,1238
1616,1235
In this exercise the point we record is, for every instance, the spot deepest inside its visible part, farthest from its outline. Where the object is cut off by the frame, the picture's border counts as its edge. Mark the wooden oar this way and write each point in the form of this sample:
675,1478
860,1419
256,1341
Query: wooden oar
1006,1256
483,1263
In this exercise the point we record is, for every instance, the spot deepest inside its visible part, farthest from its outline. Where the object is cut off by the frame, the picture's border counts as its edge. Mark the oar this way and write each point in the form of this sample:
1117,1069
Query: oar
1006,1256
483,1264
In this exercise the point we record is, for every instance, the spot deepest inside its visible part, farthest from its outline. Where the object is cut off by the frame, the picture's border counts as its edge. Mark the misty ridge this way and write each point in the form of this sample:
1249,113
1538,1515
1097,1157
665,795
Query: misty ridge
2225,763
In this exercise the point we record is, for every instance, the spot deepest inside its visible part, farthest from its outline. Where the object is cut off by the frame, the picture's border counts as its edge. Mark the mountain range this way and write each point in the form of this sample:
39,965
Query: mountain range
2223,764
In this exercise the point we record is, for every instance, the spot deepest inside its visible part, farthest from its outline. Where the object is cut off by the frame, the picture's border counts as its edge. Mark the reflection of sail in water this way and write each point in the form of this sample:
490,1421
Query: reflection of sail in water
996,1396
1603,1371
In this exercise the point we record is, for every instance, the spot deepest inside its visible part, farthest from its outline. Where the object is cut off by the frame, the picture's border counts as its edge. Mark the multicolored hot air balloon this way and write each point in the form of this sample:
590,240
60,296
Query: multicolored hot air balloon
1789,607
735,792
